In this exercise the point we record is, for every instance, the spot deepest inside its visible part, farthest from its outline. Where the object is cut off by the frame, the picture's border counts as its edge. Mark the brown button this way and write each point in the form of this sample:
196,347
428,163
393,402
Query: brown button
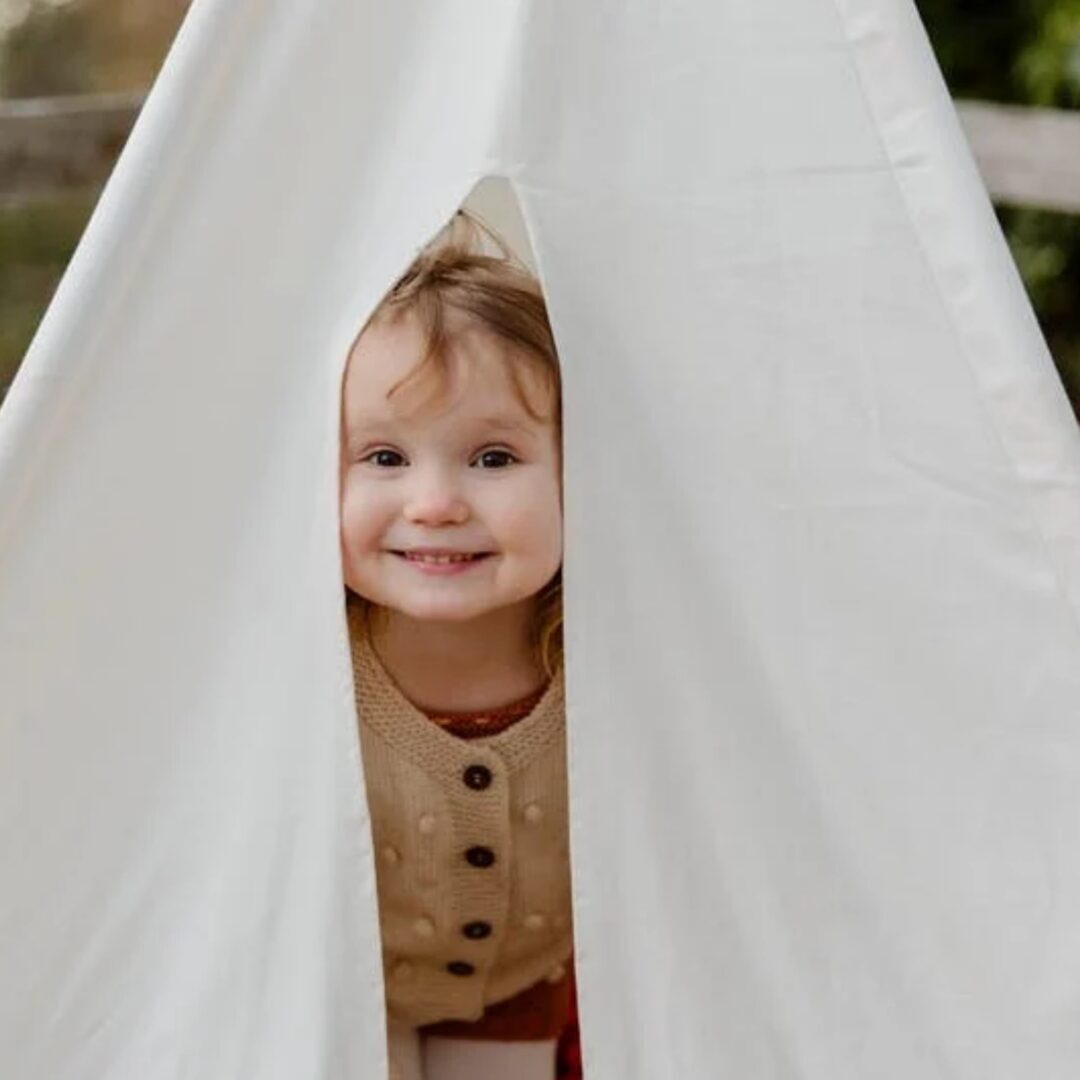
481,857
477,777
477,930
461,968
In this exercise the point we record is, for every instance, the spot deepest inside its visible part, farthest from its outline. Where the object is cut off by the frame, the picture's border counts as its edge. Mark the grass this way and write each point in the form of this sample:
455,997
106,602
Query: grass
36,242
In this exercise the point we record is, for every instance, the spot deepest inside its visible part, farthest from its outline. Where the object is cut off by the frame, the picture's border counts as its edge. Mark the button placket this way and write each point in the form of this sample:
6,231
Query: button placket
479,777
481,878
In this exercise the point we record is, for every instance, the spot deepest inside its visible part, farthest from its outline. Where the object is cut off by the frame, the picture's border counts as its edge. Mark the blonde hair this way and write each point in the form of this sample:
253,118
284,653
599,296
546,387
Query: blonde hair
469,270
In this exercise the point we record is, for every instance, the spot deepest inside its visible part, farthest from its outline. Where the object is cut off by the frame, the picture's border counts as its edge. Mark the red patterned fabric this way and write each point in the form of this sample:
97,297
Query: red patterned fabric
475,725
568,1061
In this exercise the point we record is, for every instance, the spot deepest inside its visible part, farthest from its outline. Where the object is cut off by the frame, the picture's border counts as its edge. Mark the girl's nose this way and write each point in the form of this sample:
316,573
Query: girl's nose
435,501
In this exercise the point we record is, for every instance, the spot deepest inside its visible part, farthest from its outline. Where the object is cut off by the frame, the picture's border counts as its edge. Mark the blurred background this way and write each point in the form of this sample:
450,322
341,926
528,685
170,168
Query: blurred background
74,72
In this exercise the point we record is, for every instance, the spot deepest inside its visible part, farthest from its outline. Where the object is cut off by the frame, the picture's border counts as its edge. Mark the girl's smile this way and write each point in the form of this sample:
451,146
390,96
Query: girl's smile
439,561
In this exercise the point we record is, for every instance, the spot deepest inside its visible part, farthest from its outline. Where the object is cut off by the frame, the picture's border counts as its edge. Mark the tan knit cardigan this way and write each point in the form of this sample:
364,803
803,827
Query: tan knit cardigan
471,847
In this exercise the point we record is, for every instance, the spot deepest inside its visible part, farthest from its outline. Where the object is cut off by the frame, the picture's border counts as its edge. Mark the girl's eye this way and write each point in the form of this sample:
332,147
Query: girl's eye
495,459
385,459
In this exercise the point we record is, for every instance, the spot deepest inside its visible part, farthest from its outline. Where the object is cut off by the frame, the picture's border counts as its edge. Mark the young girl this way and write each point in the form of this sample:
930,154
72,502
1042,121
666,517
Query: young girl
451,536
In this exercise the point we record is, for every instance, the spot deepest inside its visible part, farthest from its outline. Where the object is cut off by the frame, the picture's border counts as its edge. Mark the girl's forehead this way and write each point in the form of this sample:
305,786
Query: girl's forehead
480,379
388,352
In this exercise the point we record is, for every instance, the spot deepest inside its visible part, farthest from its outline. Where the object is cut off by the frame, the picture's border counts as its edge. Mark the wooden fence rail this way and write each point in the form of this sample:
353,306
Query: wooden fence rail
1028,156
54,144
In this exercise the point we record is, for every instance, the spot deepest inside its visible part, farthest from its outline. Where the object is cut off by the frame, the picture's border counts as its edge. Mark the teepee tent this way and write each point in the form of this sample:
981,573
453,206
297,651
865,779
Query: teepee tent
822,529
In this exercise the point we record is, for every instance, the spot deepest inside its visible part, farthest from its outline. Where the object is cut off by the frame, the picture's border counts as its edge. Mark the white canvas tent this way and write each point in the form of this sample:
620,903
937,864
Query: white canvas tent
823,552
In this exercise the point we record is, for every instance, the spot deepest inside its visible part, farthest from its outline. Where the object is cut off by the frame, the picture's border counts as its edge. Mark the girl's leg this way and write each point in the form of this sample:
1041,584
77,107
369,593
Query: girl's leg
403,1050
461,1059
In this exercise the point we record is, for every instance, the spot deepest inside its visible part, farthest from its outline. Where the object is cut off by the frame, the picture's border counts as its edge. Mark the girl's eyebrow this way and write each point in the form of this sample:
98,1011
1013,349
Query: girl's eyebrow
501,423
377,425
362,430
365,430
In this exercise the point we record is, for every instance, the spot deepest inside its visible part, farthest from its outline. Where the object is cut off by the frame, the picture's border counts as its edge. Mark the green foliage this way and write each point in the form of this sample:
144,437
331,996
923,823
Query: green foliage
1047,252
976,41
1048,67
1024,52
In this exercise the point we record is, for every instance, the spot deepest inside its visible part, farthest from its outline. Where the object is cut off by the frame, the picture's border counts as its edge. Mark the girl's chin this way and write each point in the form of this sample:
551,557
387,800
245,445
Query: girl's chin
441,612
445,609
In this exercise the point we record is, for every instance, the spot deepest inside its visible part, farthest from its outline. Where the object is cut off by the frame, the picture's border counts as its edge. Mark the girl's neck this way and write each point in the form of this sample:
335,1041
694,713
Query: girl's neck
460,666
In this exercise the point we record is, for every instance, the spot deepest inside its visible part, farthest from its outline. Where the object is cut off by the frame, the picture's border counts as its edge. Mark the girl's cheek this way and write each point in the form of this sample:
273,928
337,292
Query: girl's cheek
354,515
365,515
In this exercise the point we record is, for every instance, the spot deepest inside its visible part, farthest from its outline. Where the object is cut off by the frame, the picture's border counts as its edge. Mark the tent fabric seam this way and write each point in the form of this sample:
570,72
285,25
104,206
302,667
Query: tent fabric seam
1032,515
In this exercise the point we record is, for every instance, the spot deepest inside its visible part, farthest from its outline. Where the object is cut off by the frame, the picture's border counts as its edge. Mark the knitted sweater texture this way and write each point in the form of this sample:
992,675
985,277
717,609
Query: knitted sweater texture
471,847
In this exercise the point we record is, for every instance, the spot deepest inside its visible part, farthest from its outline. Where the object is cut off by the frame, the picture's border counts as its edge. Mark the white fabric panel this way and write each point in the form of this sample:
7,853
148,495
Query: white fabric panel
823,552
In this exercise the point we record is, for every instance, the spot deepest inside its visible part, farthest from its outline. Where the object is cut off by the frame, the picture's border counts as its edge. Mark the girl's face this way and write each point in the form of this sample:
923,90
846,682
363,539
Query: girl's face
471,476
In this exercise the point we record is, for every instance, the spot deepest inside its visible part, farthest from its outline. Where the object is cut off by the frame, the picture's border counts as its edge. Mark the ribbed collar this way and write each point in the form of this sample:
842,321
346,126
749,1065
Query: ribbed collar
388,712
